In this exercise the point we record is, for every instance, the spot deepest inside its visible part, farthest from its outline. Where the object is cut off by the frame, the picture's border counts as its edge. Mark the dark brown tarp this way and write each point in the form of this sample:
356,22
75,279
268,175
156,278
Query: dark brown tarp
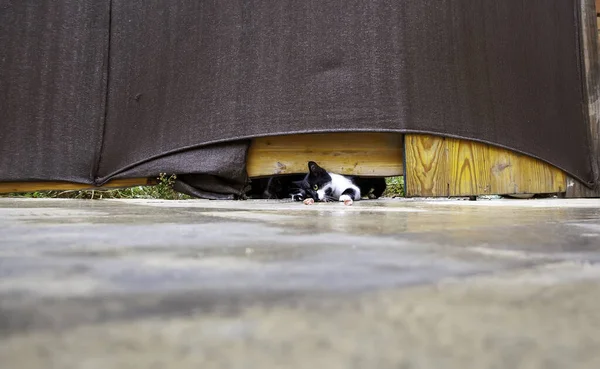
53,66
186,74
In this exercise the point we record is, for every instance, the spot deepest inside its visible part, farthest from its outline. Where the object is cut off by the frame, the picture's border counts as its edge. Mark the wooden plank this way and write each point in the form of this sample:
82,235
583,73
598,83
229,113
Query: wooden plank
426,166
16,187
589,42
464,162
438,166
480,169
351,153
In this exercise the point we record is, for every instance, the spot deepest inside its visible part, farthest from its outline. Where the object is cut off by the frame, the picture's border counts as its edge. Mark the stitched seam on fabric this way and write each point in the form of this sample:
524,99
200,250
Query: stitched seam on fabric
100,144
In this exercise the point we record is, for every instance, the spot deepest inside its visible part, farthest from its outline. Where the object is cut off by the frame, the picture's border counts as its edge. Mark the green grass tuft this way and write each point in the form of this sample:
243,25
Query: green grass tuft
395,187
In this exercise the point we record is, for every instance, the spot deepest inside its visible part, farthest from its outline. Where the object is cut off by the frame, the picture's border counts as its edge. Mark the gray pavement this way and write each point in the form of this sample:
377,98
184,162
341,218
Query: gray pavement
267,284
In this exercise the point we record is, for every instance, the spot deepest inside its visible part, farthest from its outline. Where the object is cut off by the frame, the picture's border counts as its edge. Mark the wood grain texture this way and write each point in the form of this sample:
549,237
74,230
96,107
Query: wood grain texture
355,153
589,41
16,187
438,166
426,165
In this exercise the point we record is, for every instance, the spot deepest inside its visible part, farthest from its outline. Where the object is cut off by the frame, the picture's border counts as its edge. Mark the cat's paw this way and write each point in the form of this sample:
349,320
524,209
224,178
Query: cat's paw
347,200
309,201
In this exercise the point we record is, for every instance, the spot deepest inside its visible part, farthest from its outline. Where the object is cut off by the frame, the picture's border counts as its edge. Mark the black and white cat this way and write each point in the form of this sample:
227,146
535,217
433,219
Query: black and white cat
321,185
317,184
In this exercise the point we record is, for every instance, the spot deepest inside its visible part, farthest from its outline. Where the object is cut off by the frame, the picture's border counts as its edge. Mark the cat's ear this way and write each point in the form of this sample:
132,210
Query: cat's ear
314,168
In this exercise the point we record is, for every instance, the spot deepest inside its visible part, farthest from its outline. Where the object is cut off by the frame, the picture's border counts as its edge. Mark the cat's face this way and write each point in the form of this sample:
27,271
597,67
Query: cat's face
317,183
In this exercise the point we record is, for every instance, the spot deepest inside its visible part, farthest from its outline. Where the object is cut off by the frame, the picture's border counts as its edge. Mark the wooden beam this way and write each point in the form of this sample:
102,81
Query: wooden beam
16,187
442,167
351,153
589,42
426,166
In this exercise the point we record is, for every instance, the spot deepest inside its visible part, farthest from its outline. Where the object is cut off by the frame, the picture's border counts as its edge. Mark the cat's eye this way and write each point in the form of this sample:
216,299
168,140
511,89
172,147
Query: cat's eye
315,187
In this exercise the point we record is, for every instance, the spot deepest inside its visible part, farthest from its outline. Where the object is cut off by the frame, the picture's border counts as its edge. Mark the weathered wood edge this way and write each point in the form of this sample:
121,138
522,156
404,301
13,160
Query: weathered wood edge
591,76
21,187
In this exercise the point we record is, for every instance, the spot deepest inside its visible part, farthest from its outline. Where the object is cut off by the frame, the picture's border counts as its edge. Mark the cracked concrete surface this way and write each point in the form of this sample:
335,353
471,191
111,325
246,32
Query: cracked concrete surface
267,284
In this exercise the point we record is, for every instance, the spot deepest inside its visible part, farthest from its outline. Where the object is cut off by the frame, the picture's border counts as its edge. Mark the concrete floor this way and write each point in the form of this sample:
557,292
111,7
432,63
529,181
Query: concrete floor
264,284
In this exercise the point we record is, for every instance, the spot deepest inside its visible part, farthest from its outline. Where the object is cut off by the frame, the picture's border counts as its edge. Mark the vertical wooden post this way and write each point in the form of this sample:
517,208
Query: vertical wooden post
589,45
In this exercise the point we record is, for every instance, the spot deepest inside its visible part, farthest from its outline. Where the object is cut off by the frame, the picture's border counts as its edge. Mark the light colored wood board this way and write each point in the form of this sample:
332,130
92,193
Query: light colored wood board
591,59
19,187
426,166
440,167
464,162
480,169
532,176
350,153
